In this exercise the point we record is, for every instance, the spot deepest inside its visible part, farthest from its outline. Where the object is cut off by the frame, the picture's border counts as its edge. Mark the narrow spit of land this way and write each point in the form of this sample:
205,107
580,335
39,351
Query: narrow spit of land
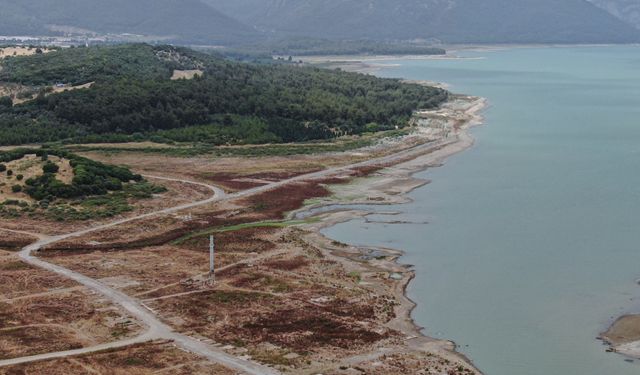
399,165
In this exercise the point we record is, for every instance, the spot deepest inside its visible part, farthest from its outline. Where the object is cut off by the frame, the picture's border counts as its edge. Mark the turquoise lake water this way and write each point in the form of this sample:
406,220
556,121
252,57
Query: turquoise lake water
533,241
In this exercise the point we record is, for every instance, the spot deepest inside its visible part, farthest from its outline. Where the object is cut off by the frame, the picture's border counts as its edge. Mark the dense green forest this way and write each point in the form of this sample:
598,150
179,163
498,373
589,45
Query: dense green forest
76,66
232,103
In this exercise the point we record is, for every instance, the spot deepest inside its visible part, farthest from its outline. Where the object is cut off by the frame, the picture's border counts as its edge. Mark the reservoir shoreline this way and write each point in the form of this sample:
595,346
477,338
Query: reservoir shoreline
388,186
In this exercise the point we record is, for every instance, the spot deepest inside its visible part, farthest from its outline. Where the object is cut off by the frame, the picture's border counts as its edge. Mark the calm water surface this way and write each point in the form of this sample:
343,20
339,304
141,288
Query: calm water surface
533,242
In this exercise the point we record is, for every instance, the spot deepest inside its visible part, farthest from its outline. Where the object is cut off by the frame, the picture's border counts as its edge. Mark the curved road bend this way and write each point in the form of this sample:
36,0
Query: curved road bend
157,329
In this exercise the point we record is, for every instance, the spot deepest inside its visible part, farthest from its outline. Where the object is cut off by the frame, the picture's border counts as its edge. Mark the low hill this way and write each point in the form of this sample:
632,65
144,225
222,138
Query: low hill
176,20
132,96
451,21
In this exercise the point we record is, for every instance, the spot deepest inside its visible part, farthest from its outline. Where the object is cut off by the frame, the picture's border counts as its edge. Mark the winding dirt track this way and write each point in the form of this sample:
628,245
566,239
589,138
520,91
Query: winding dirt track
157,329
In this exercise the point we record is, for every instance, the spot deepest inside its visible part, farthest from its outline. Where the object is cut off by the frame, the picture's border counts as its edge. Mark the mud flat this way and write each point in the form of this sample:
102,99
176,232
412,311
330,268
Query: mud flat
369,64
624,336
389,185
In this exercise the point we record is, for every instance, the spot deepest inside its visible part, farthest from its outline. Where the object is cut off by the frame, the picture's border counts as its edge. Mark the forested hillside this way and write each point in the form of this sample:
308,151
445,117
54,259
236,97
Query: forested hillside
133,96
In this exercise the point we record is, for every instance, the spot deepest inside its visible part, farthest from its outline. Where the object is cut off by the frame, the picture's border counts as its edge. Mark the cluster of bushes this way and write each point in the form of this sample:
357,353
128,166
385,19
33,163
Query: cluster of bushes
90,177
96,191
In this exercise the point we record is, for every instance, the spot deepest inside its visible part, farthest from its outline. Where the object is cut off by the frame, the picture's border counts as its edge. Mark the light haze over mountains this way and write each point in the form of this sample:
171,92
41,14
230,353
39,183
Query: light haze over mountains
240,21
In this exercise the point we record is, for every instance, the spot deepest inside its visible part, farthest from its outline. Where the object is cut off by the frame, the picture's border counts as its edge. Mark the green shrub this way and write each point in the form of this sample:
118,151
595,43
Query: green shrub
50,167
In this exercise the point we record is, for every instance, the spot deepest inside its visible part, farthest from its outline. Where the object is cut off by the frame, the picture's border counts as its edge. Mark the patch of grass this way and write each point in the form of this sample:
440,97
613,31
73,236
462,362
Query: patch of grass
276,357
14,266
233,297
355,276
134,361
120,330
243,151
283,149
232,228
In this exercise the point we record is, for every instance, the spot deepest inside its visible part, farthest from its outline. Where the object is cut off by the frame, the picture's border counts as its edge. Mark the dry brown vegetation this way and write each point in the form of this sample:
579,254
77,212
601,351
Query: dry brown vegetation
59,321
277,297
14,241
41,312
274,204
270,205
186,74
223,169
20,279
143,359
271,288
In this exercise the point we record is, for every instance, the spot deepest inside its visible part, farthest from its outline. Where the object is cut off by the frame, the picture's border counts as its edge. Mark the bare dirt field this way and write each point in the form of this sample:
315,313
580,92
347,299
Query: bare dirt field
21,51
18,279
41,312
233,173
144,359
186,74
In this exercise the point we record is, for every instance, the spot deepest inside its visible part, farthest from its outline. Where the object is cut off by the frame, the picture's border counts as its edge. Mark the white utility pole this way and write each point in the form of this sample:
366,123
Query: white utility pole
212,275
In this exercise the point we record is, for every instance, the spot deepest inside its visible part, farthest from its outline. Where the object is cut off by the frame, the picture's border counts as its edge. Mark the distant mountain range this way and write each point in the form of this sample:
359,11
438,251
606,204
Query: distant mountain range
176,20
627,10
237,21
450,21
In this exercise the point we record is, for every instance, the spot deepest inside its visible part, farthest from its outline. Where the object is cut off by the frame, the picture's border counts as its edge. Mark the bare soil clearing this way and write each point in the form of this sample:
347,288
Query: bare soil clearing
58,89
21,51
41,312
186,74
18,279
